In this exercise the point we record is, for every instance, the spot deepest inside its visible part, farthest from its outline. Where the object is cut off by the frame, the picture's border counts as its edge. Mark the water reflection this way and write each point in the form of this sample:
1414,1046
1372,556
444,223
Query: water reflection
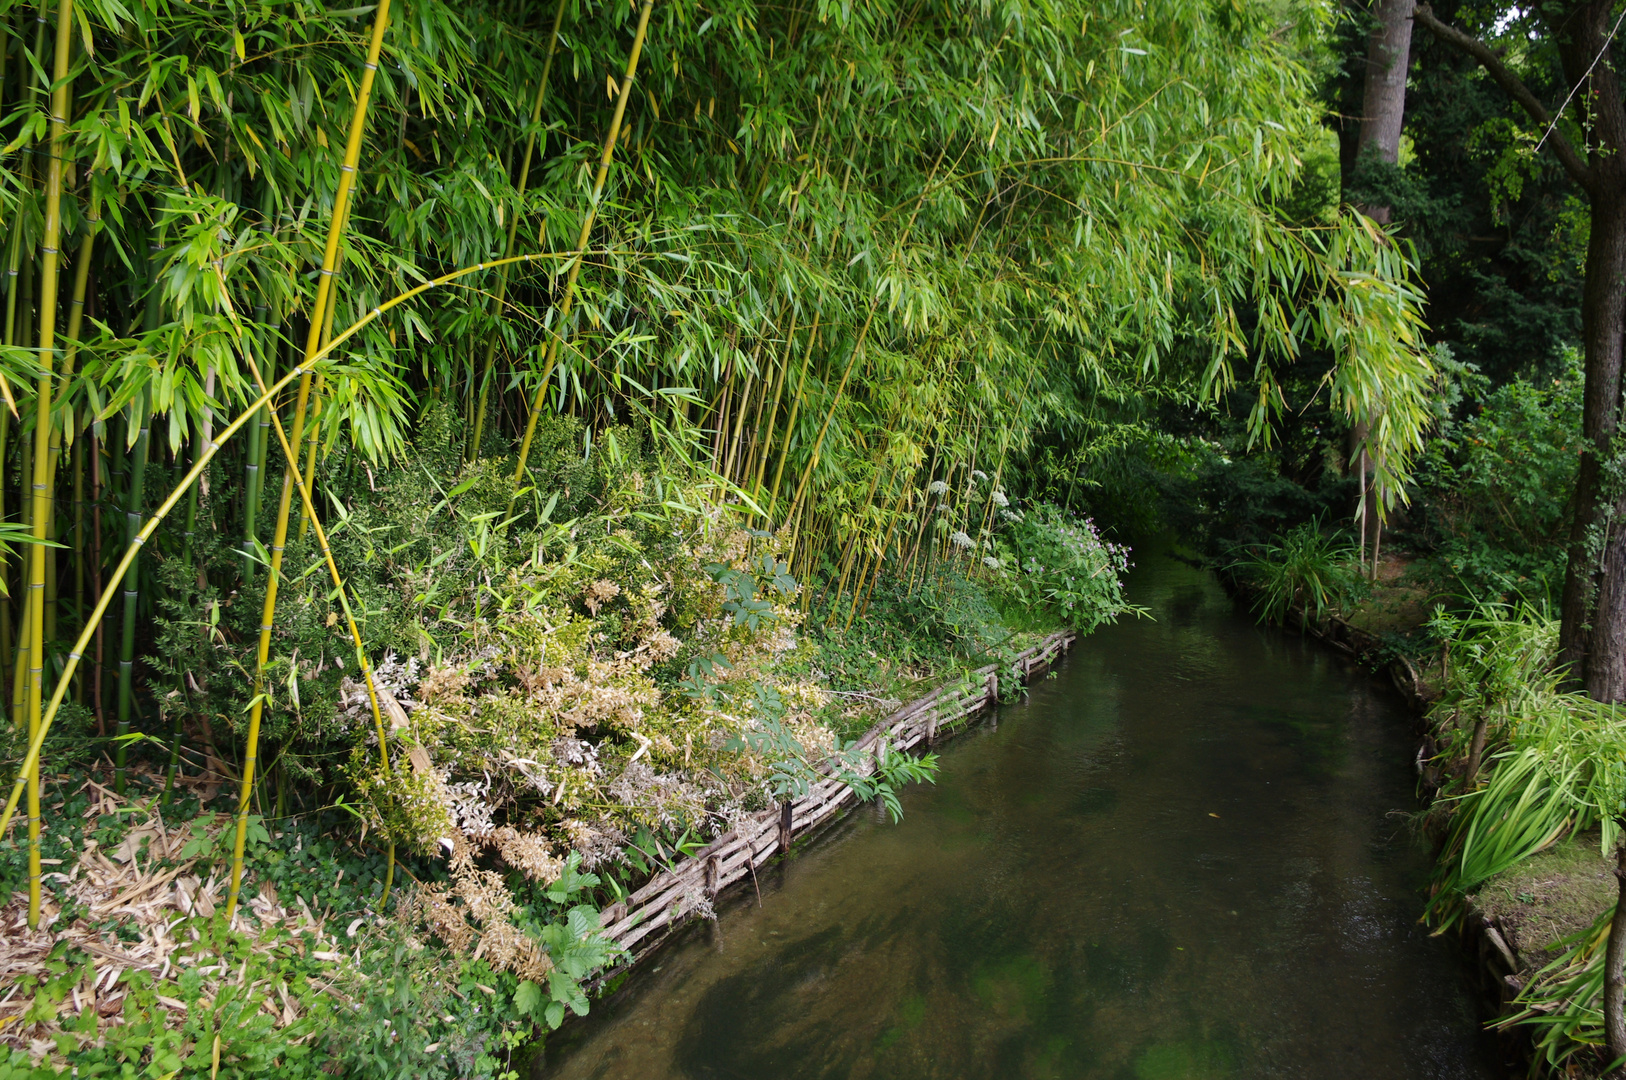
1176,860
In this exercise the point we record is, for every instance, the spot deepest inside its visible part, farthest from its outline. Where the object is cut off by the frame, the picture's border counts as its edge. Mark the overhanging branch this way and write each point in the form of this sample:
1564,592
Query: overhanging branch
1573,163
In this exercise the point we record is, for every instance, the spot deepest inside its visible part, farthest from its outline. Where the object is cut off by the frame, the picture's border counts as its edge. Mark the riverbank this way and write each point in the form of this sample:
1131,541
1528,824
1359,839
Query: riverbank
648,917
135,960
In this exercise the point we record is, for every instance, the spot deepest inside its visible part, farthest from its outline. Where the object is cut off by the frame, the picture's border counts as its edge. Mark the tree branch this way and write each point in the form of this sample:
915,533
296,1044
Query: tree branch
1573,163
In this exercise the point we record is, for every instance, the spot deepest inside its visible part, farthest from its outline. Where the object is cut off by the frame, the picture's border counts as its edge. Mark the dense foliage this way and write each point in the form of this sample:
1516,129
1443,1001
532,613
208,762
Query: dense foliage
655,390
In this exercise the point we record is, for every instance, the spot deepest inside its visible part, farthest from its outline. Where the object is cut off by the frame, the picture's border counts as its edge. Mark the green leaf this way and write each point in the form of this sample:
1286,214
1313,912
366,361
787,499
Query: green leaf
528,998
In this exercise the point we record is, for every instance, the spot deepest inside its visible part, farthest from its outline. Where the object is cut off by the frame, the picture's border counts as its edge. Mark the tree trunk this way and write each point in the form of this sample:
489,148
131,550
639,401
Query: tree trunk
1592,637
1614,981
1592,641
1383,106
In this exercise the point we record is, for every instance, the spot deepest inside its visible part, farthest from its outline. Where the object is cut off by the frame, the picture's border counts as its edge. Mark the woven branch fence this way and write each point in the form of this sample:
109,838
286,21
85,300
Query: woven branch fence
647,917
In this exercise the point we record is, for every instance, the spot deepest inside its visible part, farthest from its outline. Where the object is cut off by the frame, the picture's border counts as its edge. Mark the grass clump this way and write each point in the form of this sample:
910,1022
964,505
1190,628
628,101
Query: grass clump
1307,569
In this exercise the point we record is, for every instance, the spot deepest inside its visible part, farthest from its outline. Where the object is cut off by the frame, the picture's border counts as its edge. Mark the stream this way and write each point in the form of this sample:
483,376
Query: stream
1185,855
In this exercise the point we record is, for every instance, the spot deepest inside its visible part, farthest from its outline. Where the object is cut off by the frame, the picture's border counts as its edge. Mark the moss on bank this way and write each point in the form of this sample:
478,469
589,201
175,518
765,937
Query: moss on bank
1553,895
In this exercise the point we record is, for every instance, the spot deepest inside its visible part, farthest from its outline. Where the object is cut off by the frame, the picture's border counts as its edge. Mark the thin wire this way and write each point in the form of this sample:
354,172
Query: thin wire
1590,67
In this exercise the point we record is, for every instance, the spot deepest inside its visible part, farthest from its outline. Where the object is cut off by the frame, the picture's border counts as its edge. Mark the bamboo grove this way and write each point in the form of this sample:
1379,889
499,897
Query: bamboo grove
832,258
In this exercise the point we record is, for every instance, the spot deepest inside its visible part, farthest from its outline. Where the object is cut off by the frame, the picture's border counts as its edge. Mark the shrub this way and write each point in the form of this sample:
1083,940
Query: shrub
1055,561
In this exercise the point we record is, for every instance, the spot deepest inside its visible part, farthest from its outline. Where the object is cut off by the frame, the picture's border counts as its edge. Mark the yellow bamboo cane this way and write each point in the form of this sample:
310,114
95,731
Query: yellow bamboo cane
313,345
42,434
76,654
344,602
501,291
581,241
858,347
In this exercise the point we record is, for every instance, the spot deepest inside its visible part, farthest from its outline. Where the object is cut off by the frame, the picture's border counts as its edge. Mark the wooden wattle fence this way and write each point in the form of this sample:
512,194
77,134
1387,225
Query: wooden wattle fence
648,916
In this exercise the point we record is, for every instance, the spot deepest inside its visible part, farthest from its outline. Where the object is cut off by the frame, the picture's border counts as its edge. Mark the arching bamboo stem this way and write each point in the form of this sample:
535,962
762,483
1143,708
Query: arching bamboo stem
105,596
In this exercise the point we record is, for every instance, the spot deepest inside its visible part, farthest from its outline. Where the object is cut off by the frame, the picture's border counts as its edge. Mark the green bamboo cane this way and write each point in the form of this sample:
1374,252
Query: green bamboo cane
19,678
501,291
313,347
79,544
5,439
254,476
20,659
135,495
580,254
315,422
42,433
70,351
76,318
858,347
795,410
105,598
5,54
205,429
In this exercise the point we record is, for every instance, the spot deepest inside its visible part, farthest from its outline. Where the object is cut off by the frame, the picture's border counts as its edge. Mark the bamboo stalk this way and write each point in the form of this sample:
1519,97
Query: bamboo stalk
313,347
5,446
858,346
315,412
79,545
254,478
739,414
76,318
349,615
501,291
853,548
42,433
872,571
795,408
19,678
135,496
580,254
76,311
764,445
95,453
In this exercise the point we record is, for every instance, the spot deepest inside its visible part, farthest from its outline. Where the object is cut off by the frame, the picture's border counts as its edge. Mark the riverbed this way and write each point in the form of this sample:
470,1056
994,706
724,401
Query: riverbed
1185,855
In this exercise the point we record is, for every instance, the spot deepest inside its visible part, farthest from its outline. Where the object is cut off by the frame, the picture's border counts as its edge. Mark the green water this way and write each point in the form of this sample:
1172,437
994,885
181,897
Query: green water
1182,857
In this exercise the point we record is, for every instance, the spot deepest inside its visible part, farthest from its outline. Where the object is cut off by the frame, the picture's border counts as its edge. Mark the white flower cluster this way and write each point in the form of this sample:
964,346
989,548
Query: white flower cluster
1000,499
937,487
961,541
